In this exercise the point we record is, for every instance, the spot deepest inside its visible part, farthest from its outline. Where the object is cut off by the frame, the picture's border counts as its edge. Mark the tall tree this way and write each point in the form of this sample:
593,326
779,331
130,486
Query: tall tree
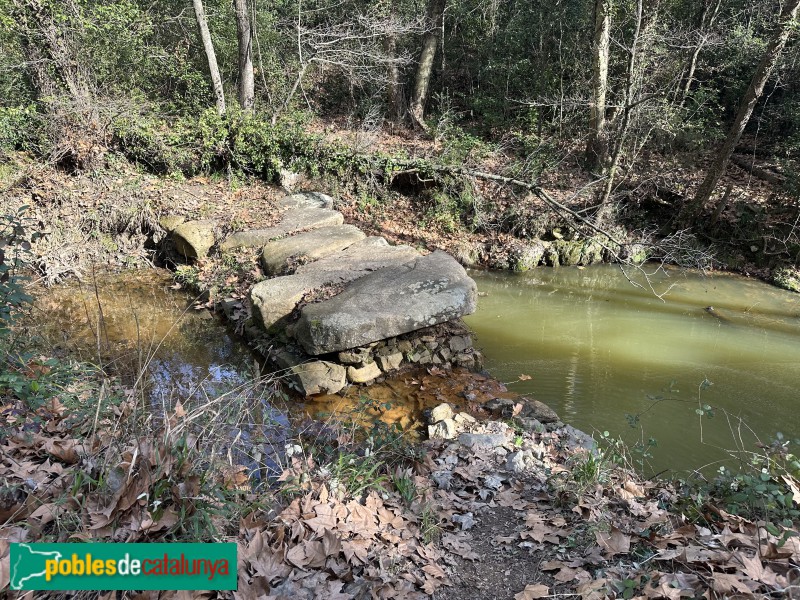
211,56
435,14
710,12
244,36
783,29
597,145
614,150
394,91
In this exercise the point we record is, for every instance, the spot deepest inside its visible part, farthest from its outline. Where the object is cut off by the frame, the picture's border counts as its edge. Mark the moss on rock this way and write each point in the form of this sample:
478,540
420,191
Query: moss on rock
524,257
787,278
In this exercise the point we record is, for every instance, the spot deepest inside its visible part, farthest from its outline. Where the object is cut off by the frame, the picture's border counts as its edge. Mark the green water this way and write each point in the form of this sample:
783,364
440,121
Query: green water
598,348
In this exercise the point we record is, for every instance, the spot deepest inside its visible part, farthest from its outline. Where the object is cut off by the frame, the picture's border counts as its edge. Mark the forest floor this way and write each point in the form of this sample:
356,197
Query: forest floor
528,515
499,514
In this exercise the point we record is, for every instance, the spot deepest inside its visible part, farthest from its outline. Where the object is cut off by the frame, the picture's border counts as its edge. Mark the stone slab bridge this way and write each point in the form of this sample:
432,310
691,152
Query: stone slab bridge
339,307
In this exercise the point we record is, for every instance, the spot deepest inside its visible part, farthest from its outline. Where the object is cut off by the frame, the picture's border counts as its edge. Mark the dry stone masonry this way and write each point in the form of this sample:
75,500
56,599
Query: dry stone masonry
342,308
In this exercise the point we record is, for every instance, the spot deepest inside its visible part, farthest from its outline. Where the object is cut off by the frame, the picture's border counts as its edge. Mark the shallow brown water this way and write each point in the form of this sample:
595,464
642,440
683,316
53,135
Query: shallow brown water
134,321
137,321
597,348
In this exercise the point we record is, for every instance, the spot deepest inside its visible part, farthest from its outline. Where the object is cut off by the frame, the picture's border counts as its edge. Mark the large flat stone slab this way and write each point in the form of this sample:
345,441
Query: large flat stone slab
423,292
274,300
286,253
369,254
295,220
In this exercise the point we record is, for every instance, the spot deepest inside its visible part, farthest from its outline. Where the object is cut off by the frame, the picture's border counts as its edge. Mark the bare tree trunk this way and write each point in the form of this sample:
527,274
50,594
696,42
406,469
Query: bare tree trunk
605,200
205,35
426,58
783,30
394,92
710,13
597,145
244,36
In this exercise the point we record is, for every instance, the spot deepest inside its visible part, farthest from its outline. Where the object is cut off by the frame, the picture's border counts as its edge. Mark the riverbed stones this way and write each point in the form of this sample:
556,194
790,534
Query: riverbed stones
459,343
482,440
193,239
440,413
521,407
524,257
280,255
521,461
294,221
443,430
364,374
787,278
429,290
315,377
354,357
390,362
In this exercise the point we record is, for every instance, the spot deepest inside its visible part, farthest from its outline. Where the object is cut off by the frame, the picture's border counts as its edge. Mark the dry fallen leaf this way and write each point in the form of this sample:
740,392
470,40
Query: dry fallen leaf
536,590
613,542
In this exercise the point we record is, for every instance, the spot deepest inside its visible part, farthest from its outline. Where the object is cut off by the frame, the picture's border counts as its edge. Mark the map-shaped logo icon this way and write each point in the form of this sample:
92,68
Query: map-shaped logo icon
29,564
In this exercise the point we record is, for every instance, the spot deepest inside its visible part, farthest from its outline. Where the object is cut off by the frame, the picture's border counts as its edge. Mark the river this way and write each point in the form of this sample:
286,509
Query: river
598,347
603,352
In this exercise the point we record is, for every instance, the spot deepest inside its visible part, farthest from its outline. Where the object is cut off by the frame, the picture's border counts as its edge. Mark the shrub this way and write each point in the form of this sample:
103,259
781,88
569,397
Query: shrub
18,128
15,246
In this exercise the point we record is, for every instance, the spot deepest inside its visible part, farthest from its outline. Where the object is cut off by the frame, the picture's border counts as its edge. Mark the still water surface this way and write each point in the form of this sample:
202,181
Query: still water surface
598,348
139,322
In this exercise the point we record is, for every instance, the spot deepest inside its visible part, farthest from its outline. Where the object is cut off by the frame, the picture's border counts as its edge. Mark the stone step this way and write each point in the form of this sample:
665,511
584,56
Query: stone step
193,239
283,255
426,291
305,200
275,299
294,221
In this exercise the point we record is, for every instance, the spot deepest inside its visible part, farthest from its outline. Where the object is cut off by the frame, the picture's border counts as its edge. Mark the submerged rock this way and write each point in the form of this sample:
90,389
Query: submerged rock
316,377
429,290
193,239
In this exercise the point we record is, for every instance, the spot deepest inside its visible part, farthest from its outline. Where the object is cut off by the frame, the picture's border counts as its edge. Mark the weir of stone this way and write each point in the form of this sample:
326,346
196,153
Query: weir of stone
339,307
